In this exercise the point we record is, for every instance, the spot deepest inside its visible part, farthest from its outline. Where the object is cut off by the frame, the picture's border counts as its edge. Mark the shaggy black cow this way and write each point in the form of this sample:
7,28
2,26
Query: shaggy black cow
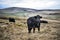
34,22
11,20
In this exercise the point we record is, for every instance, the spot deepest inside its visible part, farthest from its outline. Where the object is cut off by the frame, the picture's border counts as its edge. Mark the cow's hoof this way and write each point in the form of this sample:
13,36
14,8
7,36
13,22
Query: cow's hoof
33,32
29,32
39,32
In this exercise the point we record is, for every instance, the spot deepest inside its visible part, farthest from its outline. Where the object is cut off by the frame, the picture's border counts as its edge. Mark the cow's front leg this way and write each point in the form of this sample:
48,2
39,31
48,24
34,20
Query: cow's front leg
29,30
34,30
39,29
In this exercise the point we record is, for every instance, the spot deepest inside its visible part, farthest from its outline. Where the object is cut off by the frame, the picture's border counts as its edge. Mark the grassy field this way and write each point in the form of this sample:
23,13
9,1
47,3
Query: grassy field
18,30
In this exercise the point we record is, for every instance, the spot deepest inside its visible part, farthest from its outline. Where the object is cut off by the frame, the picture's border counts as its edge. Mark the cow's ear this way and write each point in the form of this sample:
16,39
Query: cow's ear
35,17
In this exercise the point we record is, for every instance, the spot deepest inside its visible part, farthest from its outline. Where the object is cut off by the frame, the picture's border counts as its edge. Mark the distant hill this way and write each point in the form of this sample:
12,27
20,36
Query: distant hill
19,11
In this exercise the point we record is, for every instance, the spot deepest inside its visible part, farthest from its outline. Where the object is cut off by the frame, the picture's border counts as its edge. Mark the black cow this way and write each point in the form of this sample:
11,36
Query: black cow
11,20
33,22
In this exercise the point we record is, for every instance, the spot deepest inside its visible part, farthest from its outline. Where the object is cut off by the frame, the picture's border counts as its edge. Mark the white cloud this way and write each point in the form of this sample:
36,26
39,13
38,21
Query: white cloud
30,3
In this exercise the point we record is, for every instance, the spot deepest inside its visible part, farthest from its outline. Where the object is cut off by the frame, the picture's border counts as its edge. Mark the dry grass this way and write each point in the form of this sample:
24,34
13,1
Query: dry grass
18,31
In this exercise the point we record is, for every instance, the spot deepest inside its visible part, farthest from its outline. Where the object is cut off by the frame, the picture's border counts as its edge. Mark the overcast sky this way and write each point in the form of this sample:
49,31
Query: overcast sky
36,4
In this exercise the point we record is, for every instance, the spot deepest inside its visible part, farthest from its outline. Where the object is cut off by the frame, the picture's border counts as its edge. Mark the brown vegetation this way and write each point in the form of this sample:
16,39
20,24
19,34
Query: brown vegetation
18,31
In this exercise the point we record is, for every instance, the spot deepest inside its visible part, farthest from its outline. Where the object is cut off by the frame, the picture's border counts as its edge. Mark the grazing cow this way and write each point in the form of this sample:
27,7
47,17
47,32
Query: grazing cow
11,20
33,22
